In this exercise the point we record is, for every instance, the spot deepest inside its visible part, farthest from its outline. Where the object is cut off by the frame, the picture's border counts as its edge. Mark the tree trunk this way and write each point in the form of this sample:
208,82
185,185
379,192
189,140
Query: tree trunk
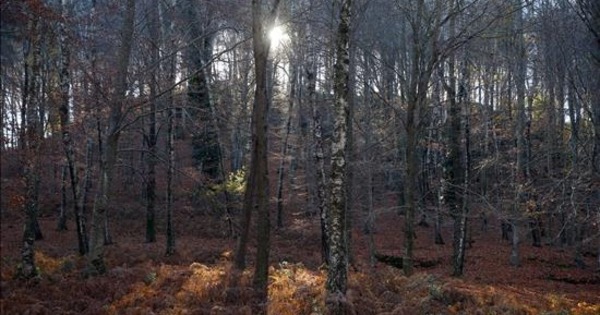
409,187
369,163
596,122
521,174
167,29
420,73
284,146
80,216
244,233
170,167
31,145
65,123
515,259
336,283
349,185
257,185
453,168
319,156
151,137
109,158
62,217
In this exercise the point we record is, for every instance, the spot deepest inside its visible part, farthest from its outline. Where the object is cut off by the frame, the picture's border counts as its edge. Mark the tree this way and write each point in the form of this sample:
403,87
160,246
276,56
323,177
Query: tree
284,146
170,67
111,142
151,136
423,59
521,171
66,126
207,151
453,168
319,157
337,276
31,162
257,185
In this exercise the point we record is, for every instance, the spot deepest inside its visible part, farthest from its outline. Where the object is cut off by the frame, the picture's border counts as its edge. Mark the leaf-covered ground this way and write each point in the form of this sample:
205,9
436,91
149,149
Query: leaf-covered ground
199,278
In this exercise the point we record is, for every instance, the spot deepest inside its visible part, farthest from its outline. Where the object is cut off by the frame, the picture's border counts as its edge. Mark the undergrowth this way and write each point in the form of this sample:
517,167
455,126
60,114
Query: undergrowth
158,288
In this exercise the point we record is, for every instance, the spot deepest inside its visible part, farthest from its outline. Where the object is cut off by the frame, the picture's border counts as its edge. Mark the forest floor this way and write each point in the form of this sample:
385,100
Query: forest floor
199,278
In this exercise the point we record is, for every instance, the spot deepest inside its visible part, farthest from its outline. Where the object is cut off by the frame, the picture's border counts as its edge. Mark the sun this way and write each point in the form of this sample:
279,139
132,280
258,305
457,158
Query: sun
278,36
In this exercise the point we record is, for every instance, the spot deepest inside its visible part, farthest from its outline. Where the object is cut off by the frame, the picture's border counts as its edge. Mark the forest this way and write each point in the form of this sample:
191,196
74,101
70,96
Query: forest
300,157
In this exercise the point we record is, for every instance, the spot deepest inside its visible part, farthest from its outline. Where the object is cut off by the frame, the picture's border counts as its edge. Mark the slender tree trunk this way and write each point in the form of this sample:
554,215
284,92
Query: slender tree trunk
521,175
244,233
574,111
349,185
107,236
151,179
167,25
259,166
258,182
453,168
463,224
151,137
337,275
31,145
62,218
515,259
247,208
319,156
64,115
109,159
170,167
420,73
80,216
595,161
284,146
369,163
410,184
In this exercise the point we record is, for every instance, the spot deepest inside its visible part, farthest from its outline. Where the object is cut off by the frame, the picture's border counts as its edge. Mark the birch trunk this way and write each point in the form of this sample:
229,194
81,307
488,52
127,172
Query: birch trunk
31,146
337,275
319,156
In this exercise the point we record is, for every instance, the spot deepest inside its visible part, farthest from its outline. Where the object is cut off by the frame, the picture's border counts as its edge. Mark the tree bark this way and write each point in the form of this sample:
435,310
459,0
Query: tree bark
62,217
170,248
337,275
65,123
109,153
151,136
259,167
257,185
453,168
521,174
319,156
82,235
284,146
167,25
31,145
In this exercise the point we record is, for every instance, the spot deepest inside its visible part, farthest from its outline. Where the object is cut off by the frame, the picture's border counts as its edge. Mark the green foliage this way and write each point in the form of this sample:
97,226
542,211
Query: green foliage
234,184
